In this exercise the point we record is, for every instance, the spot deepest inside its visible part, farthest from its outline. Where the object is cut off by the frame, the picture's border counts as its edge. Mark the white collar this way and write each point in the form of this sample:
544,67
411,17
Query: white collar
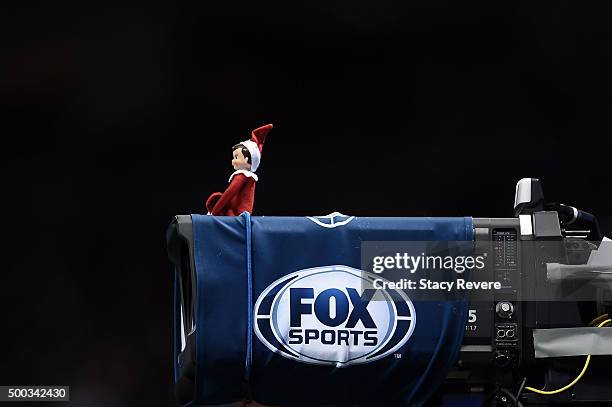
245,173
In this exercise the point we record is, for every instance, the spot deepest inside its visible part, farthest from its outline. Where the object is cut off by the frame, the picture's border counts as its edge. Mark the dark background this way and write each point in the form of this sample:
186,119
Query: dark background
114,119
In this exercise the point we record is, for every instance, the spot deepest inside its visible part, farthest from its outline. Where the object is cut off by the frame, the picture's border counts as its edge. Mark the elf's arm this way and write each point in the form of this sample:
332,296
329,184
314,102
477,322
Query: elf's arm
212,201
232,190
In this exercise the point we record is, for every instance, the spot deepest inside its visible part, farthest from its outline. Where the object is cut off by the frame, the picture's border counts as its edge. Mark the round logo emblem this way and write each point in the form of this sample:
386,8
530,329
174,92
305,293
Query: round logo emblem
333,315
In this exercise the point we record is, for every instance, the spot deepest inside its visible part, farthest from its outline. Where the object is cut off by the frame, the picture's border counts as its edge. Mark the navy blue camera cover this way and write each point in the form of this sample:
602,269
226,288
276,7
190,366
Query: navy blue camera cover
263,313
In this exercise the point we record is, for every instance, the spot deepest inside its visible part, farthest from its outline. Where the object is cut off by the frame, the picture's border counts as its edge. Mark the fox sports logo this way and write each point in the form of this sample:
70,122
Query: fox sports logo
333,315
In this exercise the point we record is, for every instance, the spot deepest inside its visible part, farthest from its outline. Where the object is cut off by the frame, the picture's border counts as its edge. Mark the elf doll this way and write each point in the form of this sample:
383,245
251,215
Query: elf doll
240,194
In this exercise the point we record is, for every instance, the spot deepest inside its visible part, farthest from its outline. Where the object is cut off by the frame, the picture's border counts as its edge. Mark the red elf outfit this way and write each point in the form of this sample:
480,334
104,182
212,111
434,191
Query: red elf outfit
240,194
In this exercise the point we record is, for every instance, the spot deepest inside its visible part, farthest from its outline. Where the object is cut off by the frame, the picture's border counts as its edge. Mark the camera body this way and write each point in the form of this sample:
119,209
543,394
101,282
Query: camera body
498,347
497,350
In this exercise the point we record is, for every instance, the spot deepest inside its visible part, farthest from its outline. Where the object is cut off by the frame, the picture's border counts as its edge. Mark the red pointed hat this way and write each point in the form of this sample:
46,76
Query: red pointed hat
255,144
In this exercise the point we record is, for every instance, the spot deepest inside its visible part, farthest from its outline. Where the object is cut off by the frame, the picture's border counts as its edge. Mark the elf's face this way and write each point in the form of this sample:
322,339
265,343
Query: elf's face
239,161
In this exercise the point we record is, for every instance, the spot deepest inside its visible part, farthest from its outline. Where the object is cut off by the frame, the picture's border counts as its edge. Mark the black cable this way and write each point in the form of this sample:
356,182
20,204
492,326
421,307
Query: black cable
520,390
